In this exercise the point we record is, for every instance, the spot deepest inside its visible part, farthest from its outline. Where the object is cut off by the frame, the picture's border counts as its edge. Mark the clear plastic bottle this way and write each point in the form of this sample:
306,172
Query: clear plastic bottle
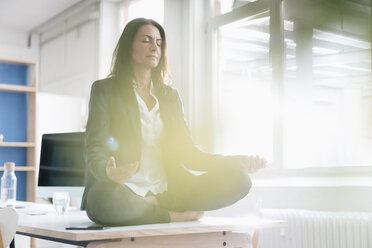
8,185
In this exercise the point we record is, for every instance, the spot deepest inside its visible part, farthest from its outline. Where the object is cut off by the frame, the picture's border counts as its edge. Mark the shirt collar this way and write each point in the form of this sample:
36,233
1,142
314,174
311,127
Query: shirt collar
152,88
152,93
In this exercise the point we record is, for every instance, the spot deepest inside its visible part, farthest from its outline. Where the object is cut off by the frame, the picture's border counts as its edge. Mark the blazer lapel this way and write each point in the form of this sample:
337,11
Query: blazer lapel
159,93
130,105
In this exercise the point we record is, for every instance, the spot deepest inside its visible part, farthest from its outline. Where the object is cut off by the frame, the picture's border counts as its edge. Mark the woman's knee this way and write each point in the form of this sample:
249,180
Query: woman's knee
236,187
116,205
246,183
99,193
242,181
101,200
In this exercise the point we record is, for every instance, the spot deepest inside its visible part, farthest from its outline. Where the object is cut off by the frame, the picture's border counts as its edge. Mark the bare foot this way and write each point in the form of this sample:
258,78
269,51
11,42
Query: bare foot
152,200
185,216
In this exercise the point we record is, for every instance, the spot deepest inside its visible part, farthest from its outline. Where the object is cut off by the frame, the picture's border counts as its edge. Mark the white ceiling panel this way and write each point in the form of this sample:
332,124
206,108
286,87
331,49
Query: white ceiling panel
24,15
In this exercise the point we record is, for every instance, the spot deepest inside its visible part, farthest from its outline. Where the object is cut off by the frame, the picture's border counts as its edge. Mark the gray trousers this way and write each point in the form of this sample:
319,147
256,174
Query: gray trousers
113,204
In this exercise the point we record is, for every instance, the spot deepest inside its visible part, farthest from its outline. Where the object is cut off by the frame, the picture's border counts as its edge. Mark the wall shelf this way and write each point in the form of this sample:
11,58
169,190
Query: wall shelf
18,61
17,144
22,168
17,88
27,84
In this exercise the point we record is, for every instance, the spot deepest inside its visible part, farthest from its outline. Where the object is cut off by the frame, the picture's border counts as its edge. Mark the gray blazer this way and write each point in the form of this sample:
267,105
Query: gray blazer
113,129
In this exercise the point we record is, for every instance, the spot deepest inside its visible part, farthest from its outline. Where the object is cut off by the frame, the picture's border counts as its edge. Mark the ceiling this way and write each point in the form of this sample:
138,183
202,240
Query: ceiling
25,15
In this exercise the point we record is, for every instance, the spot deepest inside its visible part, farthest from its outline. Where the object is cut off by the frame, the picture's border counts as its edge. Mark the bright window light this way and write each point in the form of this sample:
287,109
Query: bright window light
224,6
243,127
327,110
326,97
322,50
152,9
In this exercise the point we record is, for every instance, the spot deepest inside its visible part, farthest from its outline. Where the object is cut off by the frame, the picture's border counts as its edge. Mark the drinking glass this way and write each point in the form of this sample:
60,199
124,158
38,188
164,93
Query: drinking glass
61,202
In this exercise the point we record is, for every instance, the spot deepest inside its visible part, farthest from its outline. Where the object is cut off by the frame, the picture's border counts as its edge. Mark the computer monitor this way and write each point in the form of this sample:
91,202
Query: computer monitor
62,164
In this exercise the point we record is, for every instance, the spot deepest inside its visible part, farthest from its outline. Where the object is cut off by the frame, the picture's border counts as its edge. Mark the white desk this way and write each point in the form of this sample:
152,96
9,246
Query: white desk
41,221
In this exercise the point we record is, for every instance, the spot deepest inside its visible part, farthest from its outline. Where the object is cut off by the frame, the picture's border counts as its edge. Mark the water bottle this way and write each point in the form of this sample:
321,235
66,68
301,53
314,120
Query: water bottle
8,185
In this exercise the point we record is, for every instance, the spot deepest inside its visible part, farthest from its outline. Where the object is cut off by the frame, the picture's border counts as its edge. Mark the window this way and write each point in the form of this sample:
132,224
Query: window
152,9
326,93
224,6
244,88
327,99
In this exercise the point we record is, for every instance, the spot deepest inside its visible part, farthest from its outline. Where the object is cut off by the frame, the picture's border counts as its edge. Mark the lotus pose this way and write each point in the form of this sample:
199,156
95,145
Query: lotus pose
139,151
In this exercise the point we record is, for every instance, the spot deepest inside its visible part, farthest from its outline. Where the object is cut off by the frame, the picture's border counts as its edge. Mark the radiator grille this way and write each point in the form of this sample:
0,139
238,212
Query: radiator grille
314,229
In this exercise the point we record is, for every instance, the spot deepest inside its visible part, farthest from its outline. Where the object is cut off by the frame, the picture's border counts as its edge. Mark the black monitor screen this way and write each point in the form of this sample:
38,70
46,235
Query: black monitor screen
62,160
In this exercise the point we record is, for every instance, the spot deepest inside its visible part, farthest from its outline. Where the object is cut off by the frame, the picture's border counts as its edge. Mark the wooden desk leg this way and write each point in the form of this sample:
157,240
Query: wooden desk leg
199,240
255,236
1,241
33,242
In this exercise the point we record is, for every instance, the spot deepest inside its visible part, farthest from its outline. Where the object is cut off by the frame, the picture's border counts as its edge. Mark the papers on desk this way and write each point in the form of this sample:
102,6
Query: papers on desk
36,212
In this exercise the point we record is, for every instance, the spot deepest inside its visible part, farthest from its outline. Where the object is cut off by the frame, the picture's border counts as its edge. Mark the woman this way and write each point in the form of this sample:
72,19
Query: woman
139,148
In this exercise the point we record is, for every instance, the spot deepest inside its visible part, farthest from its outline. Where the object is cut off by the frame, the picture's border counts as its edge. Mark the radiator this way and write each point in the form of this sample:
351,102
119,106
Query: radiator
313,229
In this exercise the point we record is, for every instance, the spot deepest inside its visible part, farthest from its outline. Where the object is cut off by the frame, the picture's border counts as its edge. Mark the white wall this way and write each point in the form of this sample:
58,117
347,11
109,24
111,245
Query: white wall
67,62
58,114
74,54
13,37
18,45
77,51
109,34
68,55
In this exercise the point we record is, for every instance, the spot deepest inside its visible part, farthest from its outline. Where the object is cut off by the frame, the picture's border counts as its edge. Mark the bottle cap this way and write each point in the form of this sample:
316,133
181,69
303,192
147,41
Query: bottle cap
9,165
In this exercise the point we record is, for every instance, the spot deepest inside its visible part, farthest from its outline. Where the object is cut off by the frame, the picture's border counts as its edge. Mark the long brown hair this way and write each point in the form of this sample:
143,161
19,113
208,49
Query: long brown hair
122,67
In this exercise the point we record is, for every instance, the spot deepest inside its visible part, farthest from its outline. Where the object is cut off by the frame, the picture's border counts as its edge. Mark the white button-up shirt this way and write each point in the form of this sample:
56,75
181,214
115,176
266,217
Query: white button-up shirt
151,175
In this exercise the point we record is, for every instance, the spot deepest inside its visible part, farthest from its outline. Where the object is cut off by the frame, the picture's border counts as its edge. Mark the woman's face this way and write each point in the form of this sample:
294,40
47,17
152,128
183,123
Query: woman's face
146,48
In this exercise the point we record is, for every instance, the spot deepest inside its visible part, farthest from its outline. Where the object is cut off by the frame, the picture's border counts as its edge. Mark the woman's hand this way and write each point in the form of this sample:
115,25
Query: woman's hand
251,164
120,174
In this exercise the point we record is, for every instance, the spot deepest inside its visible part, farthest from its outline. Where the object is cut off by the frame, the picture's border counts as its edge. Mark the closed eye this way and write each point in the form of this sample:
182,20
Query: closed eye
149,39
